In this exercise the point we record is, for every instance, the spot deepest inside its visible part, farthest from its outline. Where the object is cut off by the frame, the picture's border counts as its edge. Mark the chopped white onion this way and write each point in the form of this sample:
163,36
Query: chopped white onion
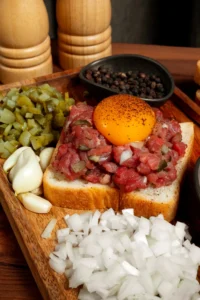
75,223
117,256
164,125
126,154
62,234
137,145
49,228
130,269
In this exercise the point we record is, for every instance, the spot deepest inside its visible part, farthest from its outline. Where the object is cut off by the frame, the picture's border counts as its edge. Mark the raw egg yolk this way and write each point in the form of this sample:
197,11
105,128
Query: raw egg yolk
123,119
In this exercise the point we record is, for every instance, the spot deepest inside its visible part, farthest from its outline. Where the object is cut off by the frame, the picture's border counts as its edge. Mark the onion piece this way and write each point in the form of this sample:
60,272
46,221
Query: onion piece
164,149
62,234
49,228
75,223
121,256
57,267
137,145
78,166
125,155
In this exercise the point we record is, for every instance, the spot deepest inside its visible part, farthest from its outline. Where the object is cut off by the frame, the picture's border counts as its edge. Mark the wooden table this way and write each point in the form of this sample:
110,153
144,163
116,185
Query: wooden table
16,281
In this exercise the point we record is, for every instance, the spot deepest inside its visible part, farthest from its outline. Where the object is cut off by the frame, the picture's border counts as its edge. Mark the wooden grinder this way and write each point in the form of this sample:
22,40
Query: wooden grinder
84,31
25,50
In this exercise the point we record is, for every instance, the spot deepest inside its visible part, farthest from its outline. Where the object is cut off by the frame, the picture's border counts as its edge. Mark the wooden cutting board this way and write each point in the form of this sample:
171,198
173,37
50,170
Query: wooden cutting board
28,226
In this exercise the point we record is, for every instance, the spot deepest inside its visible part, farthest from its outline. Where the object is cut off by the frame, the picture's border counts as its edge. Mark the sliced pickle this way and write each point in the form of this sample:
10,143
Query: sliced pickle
32,116
24,138
19,118
24,101
6,116
59,119
7,129
9,146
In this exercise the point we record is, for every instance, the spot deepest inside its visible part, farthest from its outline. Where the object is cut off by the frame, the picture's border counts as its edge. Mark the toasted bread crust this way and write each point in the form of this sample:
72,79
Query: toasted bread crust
145,208
83,197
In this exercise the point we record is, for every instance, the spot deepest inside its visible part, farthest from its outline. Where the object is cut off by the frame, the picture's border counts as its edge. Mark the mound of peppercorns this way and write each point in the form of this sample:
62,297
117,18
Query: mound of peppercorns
139,84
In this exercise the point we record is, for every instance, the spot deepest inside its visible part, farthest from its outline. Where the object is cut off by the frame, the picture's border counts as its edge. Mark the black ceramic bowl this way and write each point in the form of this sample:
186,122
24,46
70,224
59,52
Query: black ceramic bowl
196,179
193,200
124,63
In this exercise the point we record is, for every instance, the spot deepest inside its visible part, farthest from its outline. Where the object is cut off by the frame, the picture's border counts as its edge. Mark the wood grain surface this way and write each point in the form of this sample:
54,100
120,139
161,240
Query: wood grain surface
16,280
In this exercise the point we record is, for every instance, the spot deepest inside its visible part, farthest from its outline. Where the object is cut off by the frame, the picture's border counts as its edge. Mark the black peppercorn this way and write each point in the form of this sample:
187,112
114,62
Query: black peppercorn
110,81
148,90
88,75
96,73
102,70
143,90
140,80
129,73
104,79
153,84
159,86
143,84
123,75
157,80
98,80
116,82
135,82
152,77
122,86
107,75
130,82
134,75
142,75
152,93
135,92
142,95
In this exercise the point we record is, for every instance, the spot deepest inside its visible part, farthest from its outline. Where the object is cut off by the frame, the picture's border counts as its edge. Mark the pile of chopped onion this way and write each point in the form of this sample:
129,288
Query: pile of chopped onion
117,256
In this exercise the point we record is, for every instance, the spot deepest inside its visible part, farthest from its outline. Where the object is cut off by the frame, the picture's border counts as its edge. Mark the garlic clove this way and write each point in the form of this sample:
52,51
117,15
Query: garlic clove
38,191
26,175
11,174
35,203
45,157
12,159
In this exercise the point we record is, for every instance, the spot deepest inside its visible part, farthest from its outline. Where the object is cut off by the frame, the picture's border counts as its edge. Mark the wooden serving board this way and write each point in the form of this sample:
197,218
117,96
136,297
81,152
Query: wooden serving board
28,226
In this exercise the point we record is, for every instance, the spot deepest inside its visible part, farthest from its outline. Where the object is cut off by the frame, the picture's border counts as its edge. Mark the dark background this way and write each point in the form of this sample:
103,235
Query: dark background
160,22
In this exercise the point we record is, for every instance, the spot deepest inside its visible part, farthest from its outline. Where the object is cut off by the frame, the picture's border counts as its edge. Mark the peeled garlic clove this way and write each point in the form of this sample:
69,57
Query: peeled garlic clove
11,175
35,203
45,157
12,159
38,191
26,175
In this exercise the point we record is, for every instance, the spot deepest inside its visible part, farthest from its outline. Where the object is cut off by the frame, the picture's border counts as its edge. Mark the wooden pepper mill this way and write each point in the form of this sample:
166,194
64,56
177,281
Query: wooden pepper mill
25,50
84,31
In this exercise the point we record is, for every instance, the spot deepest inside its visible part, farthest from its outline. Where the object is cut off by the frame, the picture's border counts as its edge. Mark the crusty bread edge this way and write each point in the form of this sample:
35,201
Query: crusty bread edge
85,196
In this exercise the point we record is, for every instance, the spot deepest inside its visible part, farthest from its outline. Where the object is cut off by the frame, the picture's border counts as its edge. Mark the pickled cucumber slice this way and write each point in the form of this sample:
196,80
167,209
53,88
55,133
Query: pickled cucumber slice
33,116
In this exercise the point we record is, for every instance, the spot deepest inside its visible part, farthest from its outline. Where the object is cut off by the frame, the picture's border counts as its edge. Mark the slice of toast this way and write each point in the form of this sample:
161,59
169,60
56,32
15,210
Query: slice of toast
164,200
79,194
